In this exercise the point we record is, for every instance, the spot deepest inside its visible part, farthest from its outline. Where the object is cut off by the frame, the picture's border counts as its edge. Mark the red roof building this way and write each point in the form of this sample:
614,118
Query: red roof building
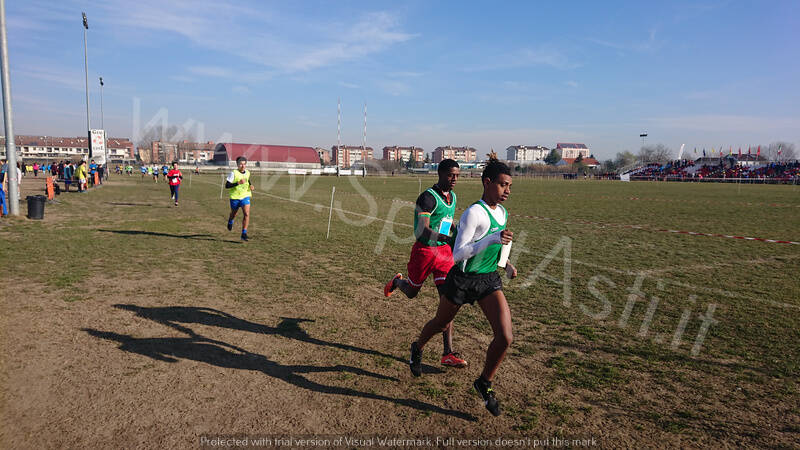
588,162
271,156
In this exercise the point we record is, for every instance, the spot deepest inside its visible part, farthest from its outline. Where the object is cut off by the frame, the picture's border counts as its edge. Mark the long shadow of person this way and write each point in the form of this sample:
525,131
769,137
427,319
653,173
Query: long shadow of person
198,237
221,354
173,316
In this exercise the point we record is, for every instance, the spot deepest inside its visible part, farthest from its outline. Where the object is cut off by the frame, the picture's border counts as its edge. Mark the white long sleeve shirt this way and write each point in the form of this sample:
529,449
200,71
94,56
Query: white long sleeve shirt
472,226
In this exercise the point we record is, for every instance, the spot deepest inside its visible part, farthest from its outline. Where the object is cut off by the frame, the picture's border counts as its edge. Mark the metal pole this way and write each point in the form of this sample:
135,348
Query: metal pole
11,149
102,116
105,135
86,67
338,133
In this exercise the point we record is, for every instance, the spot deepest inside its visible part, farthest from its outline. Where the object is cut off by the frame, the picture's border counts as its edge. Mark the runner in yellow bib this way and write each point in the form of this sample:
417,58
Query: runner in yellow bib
239,187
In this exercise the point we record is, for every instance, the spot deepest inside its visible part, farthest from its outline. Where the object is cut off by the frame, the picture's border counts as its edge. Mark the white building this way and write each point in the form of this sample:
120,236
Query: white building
56,148
571,151
525,153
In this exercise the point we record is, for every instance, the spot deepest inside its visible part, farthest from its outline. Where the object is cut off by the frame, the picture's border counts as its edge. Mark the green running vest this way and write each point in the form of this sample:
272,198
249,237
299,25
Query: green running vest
441,218
486,260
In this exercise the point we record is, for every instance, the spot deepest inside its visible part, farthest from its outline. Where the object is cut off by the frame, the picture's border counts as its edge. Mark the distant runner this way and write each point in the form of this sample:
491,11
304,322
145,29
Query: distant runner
239,188
174,176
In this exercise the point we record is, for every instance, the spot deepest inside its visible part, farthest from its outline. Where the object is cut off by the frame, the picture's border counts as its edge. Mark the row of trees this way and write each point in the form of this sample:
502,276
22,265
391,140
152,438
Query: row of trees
661,154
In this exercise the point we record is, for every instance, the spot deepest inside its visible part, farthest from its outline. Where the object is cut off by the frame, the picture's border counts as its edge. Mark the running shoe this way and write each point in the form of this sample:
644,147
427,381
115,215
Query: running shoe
230,226
453,359
416,360
244,237
390,287
485,389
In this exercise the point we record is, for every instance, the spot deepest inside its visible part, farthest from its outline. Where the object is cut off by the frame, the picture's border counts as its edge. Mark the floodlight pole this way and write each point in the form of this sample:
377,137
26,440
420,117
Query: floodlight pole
11,149
86,68
643,136
103,126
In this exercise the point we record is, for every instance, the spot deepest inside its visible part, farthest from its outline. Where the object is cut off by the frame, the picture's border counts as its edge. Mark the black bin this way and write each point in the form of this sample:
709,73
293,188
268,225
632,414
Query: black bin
36,206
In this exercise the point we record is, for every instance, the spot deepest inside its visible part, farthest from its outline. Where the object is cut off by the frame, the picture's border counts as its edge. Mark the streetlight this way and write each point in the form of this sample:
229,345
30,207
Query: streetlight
86,67
102,121
643,136
11,149
103,126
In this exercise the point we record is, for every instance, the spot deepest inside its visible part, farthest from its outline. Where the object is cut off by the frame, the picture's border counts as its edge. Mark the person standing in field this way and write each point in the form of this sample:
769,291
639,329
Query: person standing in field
92,171
3,188
174,176
432,252
81,174
481,234
239,189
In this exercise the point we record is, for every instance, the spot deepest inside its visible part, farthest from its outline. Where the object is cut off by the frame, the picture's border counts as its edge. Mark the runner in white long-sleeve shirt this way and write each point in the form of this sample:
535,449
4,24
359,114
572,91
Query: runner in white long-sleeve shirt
481,234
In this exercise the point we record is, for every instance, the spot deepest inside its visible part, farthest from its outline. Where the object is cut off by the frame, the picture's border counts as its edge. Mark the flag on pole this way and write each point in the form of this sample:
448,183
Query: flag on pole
758,153
780,147
704,152
695,150
748,150
740,152
730,150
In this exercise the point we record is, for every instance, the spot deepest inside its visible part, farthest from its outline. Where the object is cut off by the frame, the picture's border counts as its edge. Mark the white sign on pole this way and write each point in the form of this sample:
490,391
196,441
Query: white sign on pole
99,146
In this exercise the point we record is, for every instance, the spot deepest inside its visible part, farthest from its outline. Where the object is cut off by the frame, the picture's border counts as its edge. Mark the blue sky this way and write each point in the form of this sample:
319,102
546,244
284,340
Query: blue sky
703,74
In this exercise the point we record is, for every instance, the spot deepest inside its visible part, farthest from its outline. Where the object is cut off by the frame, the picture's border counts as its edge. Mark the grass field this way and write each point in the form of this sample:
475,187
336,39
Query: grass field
127,322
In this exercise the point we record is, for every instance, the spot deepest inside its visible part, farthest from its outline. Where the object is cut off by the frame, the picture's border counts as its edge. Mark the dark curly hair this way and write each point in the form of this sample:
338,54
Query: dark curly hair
446,165
494,168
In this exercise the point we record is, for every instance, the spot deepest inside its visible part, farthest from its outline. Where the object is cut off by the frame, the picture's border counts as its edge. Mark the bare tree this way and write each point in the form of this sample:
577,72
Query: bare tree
172,134
787,150
658,153
624,159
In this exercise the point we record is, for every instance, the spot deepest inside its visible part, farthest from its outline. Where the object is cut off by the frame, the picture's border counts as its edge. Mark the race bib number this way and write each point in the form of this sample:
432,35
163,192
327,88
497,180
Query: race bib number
444,226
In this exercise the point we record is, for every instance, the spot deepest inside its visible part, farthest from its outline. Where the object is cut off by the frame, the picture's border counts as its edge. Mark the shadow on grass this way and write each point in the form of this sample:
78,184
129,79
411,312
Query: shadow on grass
198,237
173,316
199,348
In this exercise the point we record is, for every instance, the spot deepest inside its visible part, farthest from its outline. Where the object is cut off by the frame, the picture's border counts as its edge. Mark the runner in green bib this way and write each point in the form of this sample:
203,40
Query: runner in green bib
474,278
432,253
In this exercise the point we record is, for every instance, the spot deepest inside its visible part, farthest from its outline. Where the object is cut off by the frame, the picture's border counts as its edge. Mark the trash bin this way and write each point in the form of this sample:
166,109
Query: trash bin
36,206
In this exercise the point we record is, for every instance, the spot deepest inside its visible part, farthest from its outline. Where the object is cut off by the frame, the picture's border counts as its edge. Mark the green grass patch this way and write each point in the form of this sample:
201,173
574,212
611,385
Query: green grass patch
583,372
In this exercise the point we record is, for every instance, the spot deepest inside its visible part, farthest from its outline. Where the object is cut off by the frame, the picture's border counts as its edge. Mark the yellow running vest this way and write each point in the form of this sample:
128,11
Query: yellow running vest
241,190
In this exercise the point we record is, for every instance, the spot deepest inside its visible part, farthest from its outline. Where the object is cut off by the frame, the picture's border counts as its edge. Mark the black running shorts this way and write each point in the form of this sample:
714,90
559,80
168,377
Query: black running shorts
467,288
